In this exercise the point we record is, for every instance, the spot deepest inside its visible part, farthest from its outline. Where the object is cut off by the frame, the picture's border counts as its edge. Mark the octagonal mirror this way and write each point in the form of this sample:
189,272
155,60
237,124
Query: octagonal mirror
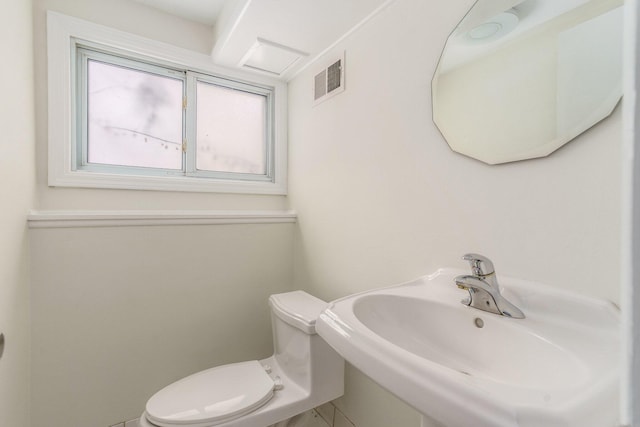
519,79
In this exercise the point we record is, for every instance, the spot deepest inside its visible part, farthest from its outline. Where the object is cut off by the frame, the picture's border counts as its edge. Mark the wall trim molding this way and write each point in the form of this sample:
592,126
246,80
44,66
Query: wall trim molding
79,219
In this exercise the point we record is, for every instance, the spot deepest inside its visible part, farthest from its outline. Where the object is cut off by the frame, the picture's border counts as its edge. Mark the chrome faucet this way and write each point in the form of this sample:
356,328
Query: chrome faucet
484,291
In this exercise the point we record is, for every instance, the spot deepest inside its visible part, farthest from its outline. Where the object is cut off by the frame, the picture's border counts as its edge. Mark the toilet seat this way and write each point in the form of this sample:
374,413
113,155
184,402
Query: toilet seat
212,396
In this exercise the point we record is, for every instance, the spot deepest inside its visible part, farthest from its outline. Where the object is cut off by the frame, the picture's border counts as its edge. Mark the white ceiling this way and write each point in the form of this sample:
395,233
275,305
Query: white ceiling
202,11
301,29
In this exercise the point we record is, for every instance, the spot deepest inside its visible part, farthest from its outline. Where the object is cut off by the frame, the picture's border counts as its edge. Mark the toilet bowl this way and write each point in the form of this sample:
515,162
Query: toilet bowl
304,372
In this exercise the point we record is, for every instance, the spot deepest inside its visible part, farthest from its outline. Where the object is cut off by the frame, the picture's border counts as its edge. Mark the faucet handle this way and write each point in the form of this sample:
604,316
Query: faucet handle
480,264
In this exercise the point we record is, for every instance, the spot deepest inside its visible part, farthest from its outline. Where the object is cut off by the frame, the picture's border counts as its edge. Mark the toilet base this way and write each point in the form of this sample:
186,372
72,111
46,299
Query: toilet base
306,419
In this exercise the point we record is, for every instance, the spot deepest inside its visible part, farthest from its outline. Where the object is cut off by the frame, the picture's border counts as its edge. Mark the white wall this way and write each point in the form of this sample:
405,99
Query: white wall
17,170
119,312
382,199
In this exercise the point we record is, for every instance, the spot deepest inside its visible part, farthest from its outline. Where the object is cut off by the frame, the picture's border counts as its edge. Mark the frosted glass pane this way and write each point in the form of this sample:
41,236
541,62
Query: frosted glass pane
134,117
231,130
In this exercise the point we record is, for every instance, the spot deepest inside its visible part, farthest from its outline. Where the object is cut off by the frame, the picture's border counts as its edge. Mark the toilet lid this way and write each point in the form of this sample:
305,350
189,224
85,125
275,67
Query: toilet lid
213,396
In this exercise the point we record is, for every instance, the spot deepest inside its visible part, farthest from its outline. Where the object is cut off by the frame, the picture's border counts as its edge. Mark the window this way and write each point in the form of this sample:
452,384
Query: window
144,115
232,128
139,118
130,115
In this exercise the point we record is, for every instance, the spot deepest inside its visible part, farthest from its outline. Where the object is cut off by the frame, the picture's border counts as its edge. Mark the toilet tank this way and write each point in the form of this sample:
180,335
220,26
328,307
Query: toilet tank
297,309
302,355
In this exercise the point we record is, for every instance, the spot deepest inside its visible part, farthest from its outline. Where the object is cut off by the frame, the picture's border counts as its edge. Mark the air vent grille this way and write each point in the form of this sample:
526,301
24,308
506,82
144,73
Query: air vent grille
329,81
333,76
320,85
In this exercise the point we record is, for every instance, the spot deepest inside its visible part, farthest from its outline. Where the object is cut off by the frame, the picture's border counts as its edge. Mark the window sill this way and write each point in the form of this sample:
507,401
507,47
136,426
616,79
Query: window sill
82,179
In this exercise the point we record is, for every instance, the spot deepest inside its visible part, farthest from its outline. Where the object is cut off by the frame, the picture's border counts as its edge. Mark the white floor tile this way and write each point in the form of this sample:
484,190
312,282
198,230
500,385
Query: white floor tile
341,421
326,411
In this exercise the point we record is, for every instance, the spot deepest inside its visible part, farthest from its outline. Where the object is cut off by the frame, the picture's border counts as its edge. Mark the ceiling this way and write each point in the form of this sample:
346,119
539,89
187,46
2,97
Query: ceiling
273,37
202,11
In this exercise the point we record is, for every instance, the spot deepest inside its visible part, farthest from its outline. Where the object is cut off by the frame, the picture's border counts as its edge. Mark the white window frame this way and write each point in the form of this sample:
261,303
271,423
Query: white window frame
64,33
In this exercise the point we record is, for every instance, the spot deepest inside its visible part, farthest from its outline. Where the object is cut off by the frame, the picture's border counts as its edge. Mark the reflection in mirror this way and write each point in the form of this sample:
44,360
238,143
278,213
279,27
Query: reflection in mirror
519,79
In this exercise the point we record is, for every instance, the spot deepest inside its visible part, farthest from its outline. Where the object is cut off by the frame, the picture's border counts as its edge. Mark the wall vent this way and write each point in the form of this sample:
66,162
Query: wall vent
329,81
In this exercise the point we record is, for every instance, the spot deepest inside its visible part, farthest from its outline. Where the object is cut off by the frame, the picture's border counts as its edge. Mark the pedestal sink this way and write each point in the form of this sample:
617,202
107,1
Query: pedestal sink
463,367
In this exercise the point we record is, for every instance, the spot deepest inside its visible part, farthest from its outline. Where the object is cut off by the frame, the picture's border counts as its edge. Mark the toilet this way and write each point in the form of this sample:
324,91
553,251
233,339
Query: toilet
304,372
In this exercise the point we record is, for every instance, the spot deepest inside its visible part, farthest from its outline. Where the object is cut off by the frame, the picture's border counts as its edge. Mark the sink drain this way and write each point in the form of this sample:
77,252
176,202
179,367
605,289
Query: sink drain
478,322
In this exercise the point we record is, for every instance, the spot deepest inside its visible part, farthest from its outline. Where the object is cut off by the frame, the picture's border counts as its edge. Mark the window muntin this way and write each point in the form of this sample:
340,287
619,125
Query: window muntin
141,118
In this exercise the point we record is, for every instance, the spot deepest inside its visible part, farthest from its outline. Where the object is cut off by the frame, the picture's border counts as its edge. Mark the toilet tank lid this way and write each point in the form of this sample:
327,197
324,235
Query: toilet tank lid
298,309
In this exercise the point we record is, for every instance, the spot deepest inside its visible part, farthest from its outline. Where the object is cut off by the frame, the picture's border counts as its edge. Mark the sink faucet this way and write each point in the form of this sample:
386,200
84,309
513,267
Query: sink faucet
484,291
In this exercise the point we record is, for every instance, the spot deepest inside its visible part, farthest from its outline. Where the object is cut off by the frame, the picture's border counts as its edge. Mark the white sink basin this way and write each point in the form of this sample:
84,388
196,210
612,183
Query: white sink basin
464,367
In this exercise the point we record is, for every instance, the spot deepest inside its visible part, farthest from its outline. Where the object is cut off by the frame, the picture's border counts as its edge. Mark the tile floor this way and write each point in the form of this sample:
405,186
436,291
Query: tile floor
326,415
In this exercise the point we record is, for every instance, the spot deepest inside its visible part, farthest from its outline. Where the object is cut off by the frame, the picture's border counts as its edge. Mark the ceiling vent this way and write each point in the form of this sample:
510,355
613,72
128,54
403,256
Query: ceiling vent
329,81
271,57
